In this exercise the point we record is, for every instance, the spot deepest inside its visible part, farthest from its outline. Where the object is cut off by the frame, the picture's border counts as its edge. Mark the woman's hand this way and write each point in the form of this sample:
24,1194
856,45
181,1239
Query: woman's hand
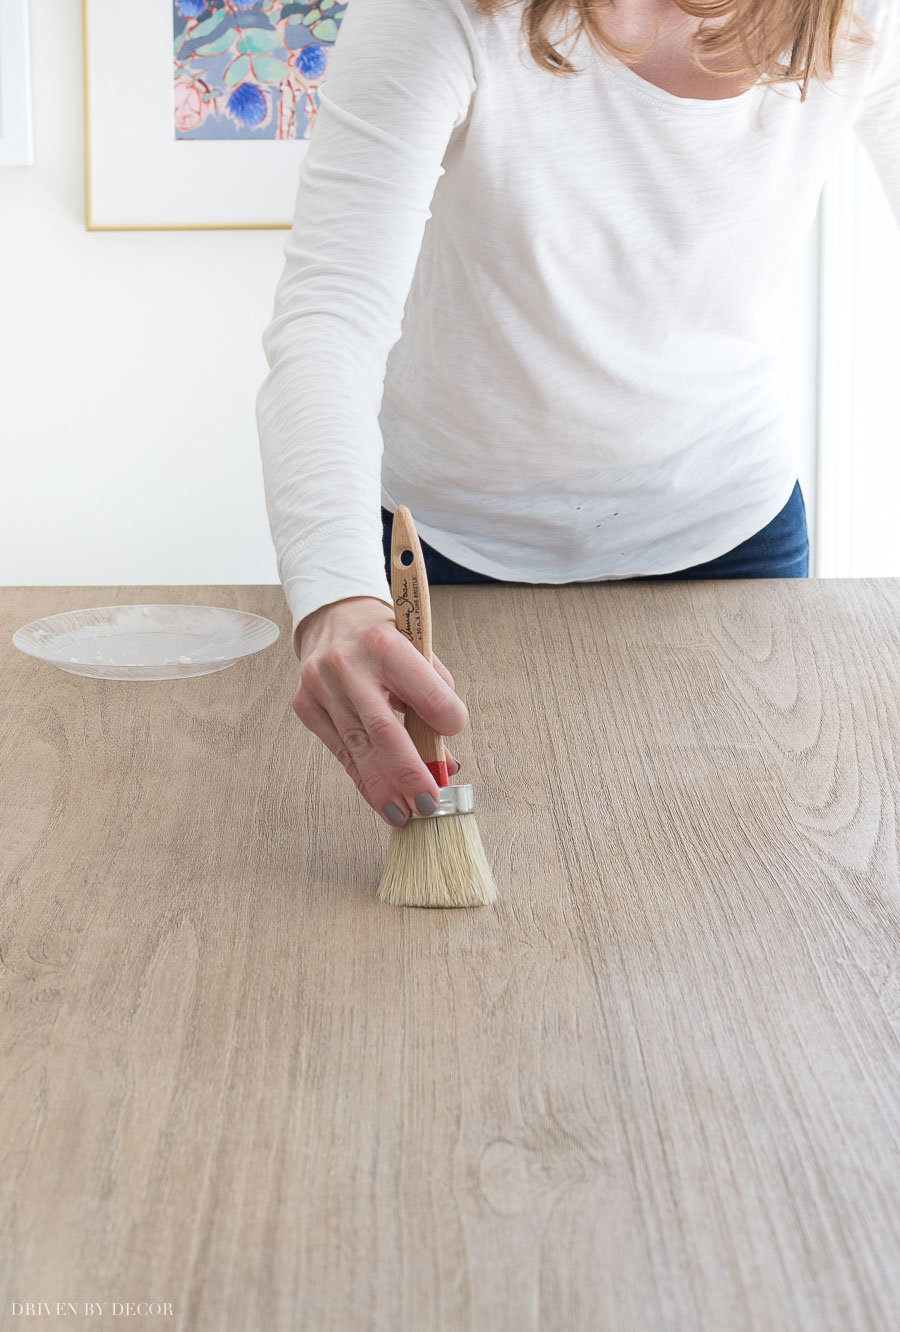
356,667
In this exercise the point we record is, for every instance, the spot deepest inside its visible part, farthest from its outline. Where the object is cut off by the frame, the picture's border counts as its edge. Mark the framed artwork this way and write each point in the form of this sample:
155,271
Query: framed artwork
16,145
197,113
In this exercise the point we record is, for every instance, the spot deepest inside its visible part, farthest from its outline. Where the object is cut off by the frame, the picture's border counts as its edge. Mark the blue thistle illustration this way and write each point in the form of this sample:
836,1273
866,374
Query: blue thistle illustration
247,104
190,8
311,61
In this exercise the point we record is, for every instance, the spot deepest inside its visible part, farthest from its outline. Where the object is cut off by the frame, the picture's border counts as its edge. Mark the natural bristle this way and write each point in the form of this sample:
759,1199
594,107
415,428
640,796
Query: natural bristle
437,862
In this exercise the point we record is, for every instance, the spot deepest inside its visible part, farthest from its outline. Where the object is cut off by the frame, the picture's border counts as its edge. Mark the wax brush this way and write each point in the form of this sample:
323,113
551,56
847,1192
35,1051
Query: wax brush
434,860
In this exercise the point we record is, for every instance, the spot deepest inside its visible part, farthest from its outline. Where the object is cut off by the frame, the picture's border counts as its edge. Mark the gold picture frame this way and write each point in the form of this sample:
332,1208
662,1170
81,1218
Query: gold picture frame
133,177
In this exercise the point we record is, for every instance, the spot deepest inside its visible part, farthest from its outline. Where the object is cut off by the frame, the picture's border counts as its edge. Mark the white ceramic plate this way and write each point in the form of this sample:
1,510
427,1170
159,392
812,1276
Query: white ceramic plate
146,642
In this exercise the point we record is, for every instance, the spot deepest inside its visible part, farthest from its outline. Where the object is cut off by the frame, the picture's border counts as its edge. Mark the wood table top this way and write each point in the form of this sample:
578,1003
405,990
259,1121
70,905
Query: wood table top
656,1086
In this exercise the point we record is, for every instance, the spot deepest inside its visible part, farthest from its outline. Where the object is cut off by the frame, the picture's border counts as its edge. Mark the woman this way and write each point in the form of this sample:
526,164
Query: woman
582,390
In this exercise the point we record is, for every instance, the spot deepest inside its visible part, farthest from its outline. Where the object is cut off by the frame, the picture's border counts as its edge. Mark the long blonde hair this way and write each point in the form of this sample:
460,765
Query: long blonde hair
813,32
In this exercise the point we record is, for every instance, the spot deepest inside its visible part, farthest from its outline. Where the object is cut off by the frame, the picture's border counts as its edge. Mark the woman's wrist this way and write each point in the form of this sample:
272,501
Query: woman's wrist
312,626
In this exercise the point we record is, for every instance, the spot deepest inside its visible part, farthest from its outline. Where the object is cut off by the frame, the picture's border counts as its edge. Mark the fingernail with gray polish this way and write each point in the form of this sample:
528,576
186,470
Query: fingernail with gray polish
426,804
395,814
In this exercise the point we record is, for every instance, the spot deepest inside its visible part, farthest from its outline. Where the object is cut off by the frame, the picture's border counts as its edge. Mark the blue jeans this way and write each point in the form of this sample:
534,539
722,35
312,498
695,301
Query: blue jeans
778,550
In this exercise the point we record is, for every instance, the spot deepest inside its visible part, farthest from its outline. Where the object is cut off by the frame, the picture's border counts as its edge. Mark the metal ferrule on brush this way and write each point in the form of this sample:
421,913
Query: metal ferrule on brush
453,800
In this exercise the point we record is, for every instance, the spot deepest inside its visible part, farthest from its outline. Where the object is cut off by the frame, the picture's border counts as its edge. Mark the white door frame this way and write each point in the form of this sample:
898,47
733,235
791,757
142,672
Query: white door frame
838,369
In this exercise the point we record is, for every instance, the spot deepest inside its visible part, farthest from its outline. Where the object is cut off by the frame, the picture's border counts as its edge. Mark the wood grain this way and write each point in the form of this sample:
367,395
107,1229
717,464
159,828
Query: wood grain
657,1086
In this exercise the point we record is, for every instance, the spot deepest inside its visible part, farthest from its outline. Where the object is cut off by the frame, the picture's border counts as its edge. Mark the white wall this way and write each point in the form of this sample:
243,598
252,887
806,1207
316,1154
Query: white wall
130,362
858,468
875,491
129,365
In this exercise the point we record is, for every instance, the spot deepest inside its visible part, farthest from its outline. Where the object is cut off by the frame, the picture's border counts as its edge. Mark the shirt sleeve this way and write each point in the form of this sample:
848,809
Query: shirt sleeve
400,80
877,122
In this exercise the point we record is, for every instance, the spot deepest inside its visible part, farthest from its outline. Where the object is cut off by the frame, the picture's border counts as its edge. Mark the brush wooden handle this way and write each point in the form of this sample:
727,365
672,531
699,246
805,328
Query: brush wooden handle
412,612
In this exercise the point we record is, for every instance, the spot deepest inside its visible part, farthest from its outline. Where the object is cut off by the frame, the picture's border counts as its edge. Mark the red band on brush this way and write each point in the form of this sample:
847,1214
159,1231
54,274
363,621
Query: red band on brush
438,770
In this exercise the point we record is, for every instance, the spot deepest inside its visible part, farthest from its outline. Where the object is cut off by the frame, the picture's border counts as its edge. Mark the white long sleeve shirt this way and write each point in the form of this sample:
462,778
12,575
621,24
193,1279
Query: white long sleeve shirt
565,374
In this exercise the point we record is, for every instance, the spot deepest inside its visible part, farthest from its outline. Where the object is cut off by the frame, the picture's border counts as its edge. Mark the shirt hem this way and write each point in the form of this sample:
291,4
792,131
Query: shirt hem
450,546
